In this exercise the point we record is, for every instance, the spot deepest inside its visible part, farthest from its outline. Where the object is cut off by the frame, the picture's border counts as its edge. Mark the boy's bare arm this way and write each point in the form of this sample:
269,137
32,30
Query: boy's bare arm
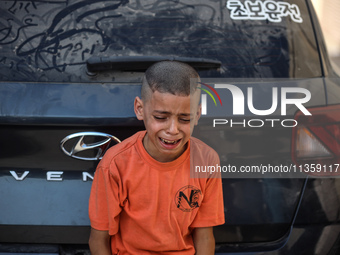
99,242
204,241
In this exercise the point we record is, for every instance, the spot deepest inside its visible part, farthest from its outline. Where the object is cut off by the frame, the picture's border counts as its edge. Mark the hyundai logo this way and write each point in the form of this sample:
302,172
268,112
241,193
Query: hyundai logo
87,145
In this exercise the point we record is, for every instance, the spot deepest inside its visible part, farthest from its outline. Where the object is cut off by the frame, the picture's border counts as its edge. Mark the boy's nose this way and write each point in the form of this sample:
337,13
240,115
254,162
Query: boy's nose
173,127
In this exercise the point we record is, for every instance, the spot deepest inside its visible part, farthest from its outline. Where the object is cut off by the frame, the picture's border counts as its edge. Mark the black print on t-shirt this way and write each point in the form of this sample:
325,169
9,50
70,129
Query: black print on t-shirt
188,198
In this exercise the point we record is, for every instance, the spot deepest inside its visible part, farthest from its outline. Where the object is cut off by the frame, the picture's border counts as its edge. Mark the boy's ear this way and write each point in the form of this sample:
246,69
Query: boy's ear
138,107
198,114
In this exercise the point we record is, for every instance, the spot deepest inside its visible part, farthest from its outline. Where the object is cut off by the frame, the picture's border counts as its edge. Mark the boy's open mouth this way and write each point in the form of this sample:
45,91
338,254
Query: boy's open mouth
169,142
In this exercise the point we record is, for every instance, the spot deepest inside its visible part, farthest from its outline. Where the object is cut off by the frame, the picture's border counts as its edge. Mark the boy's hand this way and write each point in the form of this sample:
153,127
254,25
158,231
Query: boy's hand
204,241
99,242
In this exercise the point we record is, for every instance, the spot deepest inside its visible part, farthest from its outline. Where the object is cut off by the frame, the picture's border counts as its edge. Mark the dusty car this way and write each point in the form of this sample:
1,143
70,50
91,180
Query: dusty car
70,70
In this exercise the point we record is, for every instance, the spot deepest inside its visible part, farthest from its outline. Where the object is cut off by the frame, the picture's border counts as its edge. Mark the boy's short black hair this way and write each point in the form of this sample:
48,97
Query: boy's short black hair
172,77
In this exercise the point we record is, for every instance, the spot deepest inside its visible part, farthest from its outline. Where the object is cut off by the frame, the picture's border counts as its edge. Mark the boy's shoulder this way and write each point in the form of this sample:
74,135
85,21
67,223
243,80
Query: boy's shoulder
199,147
122,148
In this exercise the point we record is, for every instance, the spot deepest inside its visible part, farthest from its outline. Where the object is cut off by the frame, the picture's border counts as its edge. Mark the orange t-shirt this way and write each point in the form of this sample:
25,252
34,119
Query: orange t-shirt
150,207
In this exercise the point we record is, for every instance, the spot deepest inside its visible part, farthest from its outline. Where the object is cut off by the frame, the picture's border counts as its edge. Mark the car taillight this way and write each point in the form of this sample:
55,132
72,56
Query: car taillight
316,141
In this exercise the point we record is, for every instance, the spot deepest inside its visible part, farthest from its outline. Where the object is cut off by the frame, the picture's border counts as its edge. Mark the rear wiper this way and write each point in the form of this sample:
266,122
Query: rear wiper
141,63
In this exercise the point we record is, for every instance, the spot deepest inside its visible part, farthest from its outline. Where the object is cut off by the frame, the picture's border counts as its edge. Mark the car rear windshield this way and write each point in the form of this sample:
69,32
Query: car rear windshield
52,40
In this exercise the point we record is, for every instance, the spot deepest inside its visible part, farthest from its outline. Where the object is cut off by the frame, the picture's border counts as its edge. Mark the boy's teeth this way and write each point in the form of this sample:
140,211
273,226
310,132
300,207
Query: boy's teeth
167,141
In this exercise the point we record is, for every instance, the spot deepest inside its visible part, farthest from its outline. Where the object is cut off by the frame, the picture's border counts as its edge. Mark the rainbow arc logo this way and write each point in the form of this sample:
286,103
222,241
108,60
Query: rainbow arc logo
209,93
204,97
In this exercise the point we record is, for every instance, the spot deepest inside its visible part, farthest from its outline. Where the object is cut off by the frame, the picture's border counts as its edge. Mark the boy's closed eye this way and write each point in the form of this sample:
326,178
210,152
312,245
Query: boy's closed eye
185,120
161,118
